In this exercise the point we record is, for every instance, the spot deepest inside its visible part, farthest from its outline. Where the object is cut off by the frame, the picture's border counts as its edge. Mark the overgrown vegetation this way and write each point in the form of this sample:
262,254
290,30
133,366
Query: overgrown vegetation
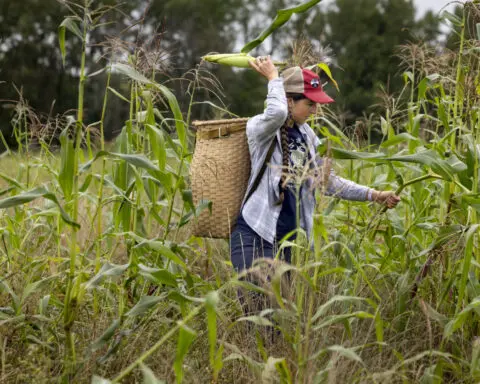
102,282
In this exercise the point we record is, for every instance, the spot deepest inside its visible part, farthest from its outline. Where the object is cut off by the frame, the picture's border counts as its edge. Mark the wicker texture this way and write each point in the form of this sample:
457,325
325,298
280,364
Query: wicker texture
220,170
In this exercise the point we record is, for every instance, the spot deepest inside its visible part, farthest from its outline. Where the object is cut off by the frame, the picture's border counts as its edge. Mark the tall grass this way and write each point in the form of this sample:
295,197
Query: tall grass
102,281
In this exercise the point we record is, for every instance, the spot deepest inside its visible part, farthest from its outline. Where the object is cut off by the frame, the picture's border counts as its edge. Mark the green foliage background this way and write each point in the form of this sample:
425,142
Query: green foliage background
363,50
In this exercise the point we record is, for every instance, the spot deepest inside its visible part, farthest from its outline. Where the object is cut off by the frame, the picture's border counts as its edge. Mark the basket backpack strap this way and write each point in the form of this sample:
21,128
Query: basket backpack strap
262,171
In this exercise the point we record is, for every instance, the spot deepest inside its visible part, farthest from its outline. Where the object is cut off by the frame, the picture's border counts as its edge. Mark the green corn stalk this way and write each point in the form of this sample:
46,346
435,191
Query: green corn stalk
70,299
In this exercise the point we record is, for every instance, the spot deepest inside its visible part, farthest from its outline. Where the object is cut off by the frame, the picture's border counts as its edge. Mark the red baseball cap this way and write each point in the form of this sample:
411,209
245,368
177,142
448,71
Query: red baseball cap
306,82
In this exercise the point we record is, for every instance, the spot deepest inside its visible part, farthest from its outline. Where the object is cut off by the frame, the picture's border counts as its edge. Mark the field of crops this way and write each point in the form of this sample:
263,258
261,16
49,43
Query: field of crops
101,280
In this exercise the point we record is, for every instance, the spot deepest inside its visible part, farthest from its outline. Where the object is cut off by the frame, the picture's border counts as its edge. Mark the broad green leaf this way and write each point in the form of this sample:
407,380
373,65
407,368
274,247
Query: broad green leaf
458,321
348,353
344,154
158,144
187,197
467,260
145,304
86,183
445,168
280,271
162,249
282,17
4,287
107,270
27,197
473,201
177,114
181,298
324,67
258,320
185,340
335,300
61,42
23,198
330,320
66,175
422,89
158,276
397,139
434,315
130,72
454,19
475,361
35,286
137,160
202,205
103,339
408,76
12,181
70,24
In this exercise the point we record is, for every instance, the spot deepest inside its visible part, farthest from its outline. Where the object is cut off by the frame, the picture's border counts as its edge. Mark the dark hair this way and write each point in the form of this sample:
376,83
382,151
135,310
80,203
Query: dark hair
295,96
285,150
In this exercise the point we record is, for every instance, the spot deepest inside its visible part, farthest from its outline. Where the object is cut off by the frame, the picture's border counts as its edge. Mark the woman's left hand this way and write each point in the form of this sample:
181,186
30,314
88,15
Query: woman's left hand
388,198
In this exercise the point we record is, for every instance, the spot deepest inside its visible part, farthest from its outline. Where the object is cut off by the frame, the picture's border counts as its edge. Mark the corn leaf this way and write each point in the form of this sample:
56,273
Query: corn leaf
105,337
162,249
343,154
158,276
459,320
27,197
325,68
282,17
66,176
348,353
467,260
185,340
145,304
70,24
335,300
107,270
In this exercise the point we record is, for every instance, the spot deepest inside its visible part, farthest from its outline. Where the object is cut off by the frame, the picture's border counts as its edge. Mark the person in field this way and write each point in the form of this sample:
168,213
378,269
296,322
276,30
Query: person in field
270,209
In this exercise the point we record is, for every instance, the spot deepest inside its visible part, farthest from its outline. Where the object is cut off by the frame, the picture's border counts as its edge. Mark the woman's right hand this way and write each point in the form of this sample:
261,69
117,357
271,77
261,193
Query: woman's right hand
264,66
388,198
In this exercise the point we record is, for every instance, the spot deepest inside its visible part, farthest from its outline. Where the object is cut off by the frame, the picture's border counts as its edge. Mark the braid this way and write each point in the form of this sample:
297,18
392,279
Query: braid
286,154
289,122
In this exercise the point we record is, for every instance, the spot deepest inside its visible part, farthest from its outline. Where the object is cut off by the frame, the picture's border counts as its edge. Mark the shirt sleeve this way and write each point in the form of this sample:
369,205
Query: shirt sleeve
346,189
263,127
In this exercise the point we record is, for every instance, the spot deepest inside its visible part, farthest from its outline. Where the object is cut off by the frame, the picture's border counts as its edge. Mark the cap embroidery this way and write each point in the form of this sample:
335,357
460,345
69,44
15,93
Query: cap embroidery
315,83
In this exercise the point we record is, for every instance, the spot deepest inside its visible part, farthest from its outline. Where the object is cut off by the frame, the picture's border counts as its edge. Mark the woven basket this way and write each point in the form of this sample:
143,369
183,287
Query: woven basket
219,172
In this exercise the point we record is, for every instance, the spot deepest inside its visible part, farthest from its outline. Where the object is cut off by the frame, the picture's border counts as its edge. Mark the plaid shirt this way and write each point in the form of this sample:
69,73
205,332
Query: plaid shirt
261,211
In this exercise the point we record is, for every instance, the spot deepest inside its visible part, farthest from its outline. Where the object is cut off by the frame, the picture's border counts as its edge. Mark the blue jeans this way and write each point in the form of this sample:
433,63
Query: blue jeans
246,246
